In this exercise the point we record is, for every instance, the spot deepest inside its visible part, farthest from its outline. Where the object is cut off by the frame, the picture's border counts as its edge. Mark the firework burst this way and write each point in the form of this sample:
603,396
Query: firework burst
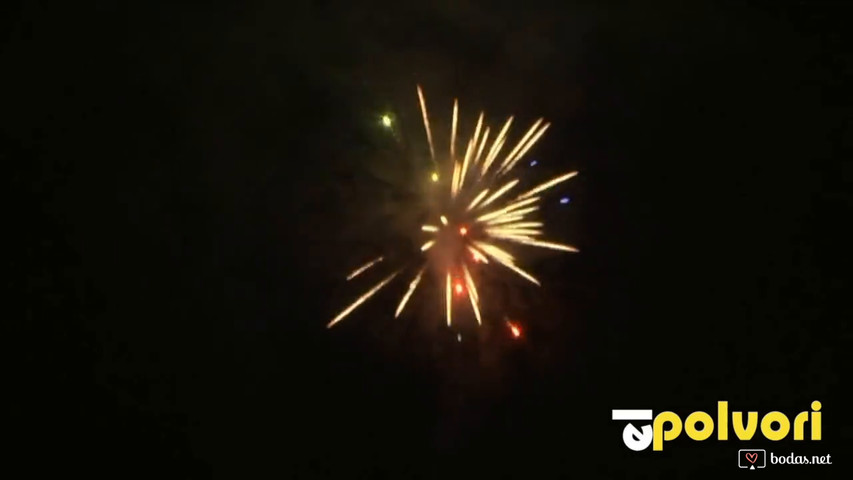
482,216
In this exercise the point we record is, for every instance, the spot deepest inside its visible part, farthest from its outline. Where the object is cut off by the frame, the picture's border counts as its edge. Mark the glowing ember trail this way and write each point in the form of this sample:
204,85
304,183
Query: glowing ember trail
364,267
362,299
412,287
515,329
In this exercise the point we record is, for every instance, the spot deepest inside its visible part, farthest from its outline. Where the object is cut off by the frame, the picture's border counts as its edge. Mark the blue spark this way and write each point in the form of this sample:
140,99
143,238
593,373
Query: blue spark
533,163
564,200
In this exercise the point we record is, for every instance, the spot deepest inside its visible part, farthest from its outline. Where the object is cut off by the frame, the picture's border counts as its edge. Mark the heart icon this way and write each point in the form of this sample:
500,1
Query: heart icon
752,457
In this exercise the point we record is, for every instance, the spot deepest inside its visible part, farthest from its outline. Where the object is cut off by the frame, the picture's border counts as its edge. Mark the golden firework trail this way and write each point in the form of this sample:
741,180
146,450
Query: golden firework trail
484,217
364,267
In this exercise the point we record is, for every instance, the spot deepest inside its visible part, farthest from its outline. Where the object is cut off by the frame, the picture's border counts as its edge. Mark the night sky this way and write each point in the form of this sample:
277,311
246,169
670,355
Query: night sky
192,183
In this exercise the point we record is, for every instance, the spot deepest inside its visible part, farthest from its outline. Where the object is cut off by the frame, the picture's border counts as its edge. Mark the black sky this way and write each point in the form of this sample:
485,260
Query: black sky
191,182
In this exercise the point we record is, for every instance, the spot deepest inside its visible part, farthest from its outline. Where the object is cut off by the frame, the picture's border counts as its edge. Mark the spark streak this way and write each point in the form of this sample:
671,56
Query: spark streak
453,129
472,294
513,231
551,245
364,267
477,199
482,145
478,255
511,208
519,145
515,214
412,286
506,260
507,219
500,192
523,225
426,123
496,147
362,299
547,185
454,185
472,147
527,147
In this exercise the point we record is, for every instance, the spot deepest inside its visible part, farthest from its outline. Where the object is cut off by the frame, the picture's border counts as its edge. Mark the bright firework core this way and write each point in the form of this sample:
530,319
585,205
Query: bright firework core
450,249
481,215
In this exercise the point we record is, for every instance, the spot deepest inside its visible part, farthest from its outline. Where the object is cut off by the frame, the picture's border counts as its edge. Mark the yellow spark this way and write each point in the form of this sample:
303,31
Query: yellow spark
513,231
364,267
514,215
500,192
507,209
490,158
454,184
426,123
444,220
519,145
506,260
469,152
386,120
551,245
523,225
511,227
412,286
427,245
477,199
527,147
472,144
506,219
478,255
434,177
472,294
527,235
482,146
429,228
548,184
521,272
477,128
494,251
362,299
469,282
512,238
449,300
453,129
496,146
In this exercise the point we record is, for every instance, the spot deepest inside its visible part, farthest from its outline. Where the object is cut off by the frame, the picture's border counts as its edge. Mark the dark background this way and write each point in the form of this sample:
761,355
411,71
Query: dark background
192,181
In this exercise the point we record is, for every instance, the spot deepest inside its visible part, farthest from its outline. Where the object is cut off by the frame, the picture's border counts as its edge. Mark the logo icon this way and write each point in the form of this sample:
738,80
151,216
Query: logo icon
634,438
751,458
